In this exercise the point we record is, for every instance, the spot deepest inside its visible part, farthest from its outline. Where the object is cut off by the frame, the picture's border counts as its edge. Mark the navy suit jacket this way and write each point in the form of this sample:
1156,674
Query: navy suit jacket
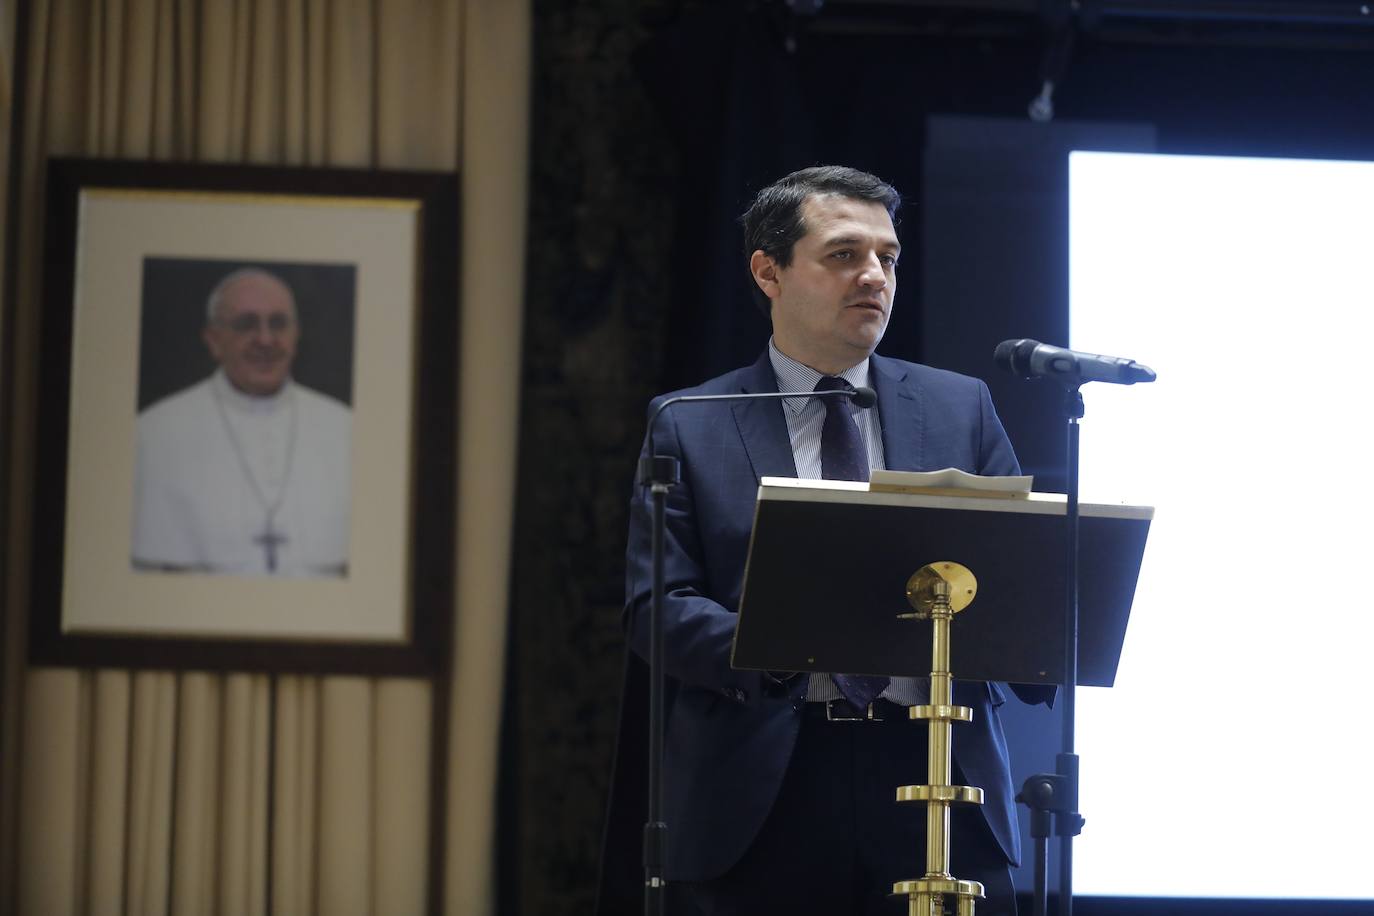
730,733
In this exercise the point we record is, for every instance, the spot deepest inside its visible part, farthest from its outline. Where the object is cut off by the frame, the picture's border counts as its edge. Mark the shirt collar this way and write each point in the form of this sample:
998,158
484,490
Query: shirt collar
796,377
247,403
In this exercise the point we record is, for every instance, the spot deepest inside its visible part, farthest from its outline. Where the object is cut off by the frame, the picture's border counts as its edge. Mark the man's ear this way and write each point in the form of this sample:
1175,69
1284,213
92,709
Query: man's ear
207,335
765,271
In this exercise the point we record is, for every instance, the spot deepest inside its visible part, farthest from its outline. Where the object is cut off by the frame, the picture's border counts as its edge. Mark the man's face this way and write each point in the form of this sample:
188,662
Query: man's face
830,306
254,333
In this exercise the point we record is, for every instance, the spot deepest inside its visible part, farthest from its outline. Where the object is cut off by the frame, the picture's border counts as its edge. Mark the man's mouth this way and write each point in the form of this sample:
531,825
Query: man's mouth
875,306
264,360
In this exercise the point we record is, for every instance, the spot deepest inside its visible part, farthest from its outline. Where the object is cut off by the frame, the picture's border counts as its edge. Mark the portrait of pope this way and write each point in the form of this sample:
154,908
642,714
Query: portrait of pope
245,471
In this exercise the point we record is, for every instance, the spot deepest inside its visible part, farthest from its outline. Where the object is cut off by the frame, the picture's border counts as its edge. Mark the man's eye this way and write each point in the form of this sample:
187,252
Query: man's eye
888,260
842,255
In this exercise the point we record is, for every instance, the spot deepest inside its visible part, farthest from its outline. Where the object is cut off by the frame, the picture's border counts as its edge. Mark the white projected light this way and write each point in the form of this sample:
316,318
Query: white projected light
1233,758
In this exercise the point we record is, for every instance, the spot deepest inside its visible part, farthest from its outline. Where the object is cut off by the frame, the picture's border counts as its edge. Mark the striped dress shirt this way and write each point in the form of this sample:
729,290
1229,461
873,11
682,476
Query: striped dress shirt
804,420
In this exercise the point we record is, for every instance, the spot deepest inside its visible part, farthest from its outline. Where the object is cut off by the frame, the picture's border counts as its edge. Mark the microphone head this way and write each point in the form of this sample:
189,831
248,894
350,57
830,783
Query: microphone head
1138,373
863,398
1014,356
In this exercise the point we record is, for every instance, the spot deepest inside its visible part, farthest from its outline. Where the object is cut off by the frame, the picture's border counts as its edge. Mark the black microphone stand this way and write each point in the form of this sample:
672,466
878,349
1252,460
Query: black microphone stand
659,474
1053,798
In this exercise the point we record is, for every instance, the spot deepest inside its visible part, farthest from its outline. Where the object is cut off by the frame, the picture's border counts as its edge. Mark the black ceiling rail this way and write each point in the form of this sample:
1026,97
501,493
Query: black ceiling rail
1321,24
1357,13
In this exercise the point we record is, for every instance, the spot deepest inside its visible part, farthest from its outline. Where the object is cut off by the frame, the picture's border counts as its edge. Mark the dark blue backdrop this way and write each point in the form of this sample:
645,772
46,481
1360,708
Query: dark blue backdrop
750,95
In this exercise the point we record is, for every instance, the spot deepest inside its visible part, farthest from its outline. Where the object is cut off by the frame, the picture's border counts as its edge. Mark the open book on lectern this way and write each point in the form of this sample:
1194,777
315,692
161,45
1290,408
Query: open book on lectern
829,560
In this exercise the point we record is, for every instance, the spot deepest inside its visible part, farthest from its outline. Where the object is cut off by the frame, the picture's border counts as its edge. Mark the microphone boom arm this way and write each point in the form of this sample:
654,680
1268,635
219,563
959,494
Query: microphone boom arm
863,398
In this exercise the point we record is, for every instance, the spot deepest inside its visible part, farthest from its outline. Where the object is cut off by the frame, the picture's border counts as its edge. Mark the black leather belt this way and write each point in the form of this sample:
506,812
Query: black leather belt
845,711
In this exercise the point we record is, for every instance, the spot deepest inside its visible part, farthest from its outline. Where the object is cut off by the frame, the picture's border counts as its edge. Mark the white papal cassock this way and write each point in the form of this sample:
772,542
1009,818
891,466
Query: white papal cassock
230,483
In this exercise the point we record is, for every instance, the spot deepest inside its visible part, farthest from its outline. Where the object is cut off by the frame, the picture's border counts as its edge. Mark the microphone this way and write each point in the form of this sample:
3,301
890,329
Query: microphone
862,398
1033,359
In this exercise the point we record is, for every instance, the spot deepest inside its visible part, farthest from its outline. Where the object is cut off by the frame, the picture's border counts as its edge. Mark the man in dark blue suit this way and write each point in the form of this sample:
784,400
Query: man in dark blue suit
780,787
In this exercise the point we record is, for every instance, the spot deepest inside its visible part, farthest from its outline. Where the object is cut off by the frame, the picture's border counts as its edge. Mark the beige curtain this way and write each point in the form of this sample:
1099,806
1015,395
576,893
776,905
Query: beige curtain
133,792
6,112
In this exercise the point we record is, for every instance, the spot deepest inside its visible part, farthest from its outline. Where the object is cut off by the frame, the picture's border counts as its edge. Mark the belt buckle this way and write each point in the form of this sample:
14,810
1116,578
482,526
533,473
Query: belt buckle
831,715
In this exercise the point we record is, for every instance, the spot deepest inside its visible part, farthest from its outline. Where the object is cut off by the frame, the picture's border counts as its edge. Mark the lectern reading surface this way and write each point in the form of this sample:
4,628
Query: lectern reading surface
795,615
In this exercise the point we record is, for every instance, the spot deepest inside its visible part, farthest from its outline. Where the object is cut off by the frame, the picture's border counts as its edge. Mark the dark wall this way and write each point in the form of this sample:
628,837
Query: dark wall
603,174
654,121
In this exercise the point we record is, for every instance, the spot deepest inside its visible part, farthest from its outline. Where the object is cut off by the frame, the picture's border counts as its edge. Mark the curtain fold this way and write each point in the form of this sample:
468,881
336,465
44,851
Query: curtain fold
495,137
296,760
49,774
152,737
153,792
11,631
104,880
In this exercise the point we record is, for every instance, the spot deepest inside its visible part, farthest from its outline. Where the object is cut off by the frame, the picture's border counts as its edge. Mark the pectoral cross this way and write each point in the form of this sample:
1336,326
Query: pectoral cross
270,540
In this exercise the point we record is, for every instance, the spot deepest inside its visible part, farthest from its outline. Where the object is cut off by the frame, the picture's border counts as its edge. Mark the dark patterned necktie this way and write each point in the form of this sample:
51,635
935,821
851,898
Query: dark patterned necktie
844,457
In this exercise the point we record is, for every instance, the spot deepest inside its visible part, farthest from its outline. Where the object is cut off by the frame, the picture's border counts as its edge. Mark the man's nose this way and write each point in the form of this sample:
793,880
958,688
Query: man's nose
263,333
873,276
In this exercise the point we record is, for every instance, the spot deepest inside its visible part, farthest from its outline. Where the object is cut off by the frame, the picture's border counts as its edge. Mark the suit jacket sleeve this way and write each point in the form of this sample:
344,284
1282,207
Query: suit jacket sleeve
698,628
996,457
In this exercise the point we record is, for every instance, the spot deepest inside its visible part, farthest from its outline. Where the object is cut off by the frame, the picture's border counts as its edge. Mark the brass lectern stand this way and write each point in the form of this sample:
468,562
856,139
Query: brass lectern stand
936,593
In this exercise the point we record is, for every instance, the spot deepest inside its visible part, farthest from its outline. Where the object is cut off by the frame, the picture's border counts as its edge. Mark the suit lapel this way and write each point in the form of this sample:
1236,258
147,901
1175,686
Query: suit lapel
762,425
763,428
902,413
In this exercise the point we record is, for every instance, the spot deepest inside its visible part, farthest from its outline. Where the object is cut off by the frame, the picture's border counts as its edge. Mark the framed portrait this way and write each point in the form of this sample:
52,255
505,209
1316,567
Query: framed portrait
246,434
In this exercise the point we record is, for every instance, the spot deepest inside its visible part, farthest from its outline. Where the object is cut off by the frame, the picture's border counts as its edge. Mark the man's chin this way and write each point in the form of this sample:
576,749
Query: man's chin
866,323
867,339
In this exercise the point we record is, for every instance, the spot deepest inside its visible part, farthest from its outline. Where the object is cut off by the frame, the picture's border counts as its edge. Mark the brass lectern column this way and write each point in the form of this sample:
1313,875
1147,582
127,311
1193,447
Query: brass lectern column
937,592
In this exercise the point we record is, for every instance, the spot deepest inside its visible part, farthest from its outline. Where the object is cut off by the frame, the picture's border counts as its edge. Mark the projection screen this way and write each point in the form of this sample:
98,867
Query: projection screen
1234,757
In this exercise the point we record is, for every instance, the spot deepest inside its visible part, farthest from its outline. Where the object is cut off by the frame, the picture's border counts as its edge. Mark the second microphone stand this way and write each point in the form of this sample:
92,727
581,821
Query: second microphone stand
1053,797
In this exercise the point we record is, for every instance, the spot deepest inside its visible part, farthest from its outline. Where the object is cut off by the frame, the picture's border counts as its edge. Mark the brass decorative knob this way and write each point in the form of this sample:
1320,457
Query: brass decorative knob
926,584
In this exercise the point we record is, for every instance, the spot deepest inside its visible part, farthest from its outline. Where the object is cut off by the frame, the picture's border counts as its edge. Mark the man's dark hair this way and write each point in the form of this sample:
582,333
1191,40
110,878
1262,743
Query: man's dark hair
773,222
